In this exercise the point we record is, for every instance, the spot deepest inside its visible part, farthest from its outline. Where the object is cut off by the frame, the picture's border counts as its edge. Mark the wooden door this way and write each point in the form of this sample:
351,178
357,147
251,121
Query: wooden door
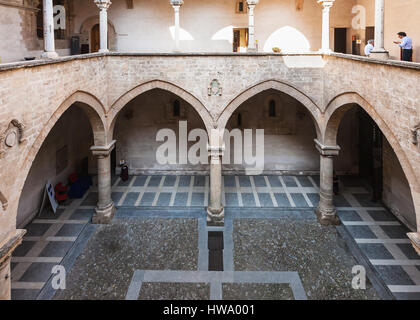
94,39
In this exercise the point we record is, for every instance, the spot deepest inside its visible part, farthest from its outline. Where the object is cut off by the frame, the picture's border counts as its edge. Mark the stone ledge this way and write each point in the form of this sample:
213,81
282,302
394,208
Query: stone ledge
389,62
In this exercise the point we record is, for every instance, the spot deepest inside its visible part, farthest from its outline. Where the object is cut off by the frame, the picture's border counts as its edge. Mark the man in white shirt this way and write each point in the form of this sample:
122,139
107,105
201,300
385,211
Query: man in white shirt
406,44
369,47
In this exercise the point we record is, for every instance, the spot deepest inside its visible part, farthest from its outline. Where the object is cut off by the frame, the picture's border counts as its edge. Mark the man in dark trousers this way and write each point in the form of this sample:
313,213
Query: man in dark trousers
406,44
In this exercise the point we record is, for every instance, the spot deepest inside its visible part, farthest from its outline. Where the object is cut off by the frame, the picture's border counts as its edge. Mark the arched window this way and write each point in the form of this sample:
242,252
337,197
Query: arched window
177,109
239,119
272,109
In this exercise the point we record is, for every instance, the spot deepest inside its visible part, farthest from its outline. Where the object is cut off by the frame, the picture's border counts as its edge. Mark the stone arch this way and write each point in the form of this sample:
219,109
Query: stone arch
163,85
93,109
87,26
306,101
335,111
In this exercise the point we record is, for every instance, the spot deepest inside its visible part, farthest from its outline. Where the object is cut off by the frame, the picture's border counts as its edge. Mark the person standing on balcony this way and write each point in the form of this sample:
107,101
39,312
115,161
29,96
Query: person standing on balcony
369,47
406,44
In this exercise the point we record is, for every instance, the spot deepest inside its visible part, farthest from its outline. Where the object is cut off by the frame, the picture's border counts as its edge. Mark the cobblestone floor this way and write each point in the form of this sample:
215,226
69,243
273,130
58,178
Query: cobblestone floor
270,227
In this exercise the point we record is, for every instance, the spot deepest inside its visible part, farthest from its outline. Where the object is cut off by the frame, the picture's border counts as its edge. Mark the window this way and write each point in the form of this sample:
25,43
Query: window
241,6
177,109
239,120
272,109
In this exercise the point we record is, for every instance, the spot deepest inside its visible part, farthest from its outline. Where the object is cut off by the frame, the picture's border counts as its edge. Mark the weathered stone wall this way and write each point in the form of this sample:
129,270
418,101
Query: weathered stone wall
38,93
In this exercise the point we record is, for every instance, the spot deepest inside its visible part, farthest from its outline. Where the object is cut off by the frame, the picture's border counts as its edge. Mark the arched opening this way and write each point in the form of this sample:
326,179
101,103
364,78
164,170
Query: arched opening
377,169
137,128
90,32
65,150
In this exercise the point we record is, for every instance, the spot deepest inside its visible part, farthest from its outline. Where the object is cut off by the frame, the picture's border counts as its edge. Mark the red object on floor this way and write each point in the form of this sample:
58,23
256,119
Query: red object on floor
73,178
60,192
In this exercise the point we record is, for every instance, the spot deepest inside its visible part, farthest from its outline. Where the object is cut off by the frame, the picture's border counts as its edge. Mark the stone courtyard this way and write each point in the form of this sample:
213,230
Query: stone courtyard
272,249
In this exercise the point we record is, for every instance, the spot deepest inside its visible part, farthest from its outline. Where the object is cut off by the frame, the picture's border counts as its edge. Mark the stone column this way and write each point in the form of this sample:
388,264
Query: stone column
326,212
379,51
105,209
176,4
326,4
103,6
215,211
252,47
6,249
49,44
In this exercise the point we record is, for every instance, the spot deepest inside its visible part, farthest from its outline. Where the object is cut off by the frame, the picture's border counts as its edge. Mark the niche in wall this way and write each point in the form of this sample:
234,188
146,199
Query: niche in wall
61,160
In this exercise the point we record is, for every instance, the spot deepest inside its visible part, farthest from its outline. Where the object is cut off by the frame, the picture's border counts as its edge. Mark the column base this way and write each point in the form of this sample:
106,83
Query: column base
380,55
415,241
49,55
251,50
103,50
216,217
104,216
6,250
327,219
325,51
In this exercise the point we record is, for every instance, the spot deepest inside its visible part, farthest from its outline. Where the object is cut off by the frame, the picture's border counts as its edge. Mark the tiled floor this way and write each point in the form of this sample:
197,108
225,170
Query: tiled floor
378,234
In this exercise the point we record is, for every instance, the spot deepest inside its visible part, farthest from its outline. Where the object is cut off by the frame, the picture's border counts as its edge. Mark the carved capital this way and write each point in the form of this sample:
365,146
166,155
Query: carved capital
327,151
327,4
103,151
176,3
415,134
103,4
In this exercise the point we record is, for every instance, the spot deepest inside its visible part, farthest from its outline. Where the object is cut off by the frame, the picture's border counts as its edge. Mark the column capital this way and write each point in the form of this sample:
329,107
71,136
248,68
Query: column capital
103,151
216,151
327,151
326,3
252,2
176,3
103,4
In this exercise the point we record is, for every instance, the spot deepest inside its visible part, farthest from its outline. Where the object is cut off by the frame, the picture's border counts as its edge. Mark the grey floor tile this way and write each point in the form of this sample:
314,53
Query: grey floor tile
116,197
394,275
70,230
316,180
125,183
91,199
50,215
299,200
304,181
409,251
407,295
56,249
140,181
314,197
290,181
23,248
349,215
164,199
395,232
38,272
282,200
365,200
265,200
275,181
24,294
382,215
199,181
248,200
231,199
184,181
340,201
131,199
36,229
147,199
230,181
181,199
244,181
361,232
375,251
197,199
260,181
169,181
155,181
82,214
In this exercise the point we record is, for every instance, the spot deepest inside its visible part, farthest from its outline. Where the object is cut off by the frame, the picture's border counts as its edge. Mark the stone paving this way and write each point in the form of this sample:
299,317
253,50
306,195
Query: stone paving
160,226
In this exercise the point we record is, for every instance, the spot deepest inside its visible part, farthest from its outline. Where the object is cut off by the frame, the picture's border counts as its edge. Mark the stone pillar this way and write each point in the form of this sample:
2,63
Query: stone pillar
6,249
176,4
49,44
326,4
379,51
215,211
105,209
103,6
326,212
252,47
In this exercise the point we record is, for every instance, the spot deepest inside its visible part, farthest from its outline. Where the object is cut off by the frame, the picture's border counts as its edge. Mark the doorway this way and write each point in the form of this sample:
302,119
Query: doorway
340,40
240,39
95,39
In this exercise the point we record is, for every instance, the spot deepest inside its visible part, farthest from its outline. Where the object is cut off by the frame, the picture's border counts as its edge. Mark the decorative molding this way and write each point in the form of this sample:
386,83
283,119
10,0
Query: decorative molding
414,134
215,89
12,136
